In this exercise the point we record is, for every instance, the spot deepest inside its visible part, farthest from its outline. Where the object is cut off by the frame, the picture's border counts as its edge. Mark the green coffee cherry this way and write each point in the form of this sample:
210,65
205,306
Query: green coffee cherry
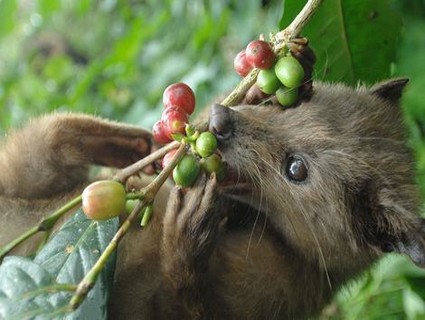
186,171
206,144
286,96
267,81
130,205
212,164
289,71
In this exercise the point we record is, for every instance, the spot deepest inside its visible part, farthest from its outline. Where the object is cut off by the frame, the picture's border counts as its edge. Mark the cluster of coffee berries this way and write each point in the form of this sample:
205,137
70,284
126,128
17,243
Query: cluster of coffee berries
179,103
200,156
281,77
106,199
258,54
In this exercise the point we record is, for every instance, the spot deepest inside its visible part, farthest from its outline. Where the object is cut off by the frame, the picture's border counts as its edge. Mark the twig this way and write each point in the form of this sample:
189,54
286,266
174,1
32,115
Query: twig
153,188
125,173
279,41
45,224
294,29
148,193
239,92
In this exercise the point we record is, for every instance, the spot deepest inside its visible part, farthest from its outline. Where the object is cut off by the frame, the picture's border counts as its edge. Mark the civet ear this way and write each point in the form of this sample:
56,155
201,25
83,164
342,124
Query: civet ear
410,242
394,227
390,90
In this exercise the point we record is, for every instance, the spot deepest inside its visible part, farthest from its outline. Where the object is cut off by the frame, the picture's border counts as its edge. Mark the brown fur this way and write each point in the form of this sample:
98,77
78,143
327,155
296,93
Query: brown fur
279,252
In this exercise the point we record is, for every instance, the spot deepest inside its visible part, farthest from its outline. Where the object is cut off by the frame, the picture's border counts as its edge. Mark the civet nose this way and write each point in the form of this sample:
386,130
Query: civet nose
221,123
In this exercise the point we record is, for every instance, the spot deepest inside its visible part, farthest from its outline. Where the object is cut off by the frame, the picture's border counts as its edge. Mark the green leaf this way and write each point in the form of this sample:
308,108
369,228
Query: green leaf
72,253
65,259
417,284
8,12
24,291
48,7
354,40
414,305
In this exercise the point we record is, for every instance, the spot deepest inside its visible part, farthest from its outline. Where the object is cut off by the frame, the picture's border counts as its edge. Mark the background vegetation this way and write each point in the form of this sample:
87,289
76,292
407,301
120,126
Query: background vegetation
114,59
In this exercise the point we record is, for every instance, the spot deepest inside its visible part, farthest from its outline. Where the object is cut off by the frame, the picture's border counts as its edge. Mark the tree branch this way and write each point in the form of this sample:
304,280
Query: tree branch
125,173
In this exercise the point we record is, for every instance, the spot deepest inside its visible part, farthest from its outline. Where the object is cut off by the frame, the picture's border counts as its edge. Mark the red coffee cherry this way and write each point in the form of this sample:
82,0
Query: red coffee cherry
241,65
260,55
174,120
159,134
181,95
167,158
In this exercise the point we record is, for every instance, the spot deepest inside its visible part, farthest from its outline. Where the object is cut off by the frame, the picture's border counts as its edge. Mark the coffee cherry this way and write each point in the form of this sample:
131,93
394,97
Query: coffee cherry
289,71
186,171
241,65
174,120
260,55
167,158
212,164
206,144
286,96
104,199
179,94
130,205
159,133
267,81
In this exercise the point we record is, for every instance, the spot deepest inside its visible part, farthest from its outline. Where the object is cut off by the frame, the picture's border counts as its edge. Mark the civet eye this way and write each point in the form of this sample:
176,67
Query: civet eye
296,169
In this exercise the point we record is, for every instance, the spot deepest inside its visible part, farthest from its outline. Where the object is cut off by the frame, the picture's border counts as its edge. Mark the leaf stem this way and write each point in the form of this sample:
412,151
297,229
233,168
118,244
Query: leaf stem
56,287
45,224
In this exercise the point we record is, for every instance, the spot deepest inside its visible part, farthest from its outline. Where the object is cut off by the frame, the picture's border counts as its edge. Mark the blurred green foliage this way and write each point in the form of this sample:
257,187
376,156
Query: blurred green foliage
114,59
